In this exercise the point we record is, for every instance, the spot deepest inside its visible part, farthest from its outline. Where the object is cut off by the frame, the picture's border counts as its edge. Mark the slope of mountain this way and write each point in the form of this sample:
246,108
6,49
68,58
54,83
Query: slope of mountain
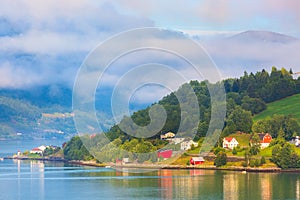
286,106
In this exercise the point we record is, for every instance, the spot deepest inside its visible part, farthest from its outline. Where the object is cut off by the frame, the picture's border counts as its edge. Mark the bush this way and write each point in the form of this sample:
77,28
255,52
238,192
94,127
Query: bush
217,150
221,159
263,160
188,162
252,163
244,164
257,163
234,151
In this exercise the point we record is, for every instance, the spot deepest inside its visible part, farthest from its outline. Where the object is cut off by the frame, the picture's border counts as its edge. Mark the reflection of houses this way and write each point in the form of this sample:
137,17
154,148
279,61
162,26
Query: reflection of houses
266,186
167,136
298,189
230,186
230,143
166,183
197,160
186,145
165,154
265,139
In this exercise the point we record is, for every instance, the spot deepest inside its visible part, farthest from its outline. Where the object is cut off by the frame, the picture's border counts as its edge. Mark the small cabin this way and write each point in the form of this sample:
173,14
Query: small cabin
197,160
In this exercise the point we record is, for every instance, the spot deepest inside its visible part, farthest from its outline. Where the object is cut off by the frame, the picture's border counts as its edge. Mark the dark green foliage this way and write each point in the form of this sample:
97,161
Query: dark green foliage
255,144
75,150
285,156
239,120
257,163
50,151
286,125
217,150
252,163
221,159
263,160
234,151
254,105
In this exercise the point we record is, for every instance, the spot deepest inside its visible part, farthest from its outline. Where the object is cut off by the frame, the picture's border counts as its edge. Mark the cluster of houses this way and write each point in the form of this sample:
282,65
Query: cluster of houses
185,144
231,142
41,149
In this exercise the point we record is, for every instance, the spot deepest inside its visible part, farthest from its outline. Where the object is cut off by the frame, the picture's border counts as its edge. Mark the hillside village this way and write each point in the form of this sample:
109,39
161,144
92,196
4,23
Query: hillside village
259,129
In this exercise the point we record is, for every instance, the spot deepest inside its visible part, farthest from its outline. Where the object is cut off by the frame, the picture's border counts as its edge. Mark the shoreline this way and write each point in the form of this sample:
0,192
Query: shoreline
160,166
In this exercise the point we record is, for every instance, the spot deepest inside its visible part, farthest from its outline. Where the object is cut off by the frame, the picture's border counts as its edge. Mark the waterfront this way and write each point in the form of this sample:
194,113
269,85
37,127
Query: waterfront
54,180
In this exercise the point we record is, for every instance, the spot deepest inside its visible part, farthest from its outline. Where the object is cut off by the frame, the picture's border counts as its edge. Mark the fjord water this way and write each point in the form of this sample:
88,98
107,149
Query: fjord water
53,180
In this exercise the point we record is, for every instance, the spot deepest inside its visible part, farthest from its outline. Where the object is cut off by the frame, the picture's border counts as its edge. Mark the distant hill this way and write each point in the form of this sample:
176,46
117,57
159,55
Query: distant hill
263,36
286,106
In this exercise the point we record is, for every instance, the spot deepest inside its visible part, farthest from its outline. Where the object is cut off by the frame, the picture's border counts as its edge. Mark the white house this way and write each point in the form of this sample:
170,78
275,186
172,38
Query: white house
186,145
297,141
230,143
167,135
37,150
176,140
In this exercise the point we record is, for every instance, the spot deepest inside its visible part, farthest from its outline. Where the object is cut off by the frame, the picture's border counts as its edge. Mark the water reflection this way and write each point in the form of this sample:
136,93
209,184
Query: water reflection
38,180
298,189
266,186
230,186
37,173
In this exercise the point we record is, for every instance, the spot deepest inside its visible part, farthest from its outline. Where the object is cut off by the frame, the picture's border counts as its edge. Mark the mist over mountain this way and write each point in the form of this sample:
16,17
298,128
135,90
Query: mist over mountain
249,51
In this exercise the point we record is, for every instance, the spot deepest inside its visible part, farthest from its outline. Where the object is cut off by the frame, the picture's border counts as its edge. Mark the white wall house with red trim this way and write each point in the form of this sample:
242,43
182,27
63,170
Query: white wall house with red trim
230,142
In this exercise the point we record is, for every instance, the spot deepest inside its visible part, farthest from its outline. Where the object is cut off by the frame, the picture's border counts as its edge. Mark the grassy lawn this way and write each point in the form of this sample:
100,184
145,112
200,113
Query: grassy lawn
243,139
196,150
284,106
266,152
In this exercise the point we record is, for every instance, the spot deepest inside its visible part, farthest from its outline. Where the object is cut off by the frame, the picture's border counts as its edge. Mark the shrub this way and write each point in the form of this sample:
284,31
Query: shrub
257,163
234,151
218,149
252,163
244,164
263,160
221,159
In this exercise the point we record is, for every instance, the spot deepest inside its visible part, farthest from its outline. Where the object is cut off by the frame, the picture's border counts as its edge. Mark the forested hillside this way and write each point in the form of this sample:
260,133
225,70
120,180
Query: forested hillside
246,96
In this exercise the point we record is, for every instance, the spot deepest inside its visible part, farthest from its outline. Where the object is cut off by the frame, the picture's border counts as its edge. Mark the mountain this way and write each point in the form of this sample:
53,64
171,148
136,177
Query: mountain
262,37
253,51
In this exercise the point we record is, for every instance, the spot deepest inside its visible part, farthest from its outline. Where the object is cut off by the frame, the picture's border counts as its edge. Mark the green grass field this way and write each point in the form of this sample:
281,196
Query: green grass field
287,106
243,139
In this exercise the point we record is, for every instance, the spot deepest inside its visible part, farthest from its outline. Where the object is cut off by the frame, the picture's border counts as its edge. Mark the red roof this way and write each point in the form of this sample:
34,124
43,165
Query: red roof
228,139
267,138
36,149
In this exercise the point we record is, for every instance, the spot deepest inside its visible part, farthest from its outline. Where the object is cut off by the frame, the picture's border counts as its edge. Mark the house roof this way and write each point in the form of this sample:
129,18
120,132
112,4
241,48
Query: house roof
261,137
198,159
36,149
228,139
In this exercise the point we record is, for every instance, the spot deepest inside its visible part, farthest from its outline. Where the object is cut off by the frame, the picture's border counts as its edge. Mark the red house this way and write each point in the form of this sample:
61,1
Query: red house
197,160
165,154
265,139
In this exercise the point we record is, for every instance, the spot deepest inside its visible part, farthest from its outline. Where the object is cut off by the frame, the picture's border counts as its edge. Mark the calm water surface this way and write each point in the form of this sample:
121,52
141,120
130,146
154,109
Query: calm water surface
38,180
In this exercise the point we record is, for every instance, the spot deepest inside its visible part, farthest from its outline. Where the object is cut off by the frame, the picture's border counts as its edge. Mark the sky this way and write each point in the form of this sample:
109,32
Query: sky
46,42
